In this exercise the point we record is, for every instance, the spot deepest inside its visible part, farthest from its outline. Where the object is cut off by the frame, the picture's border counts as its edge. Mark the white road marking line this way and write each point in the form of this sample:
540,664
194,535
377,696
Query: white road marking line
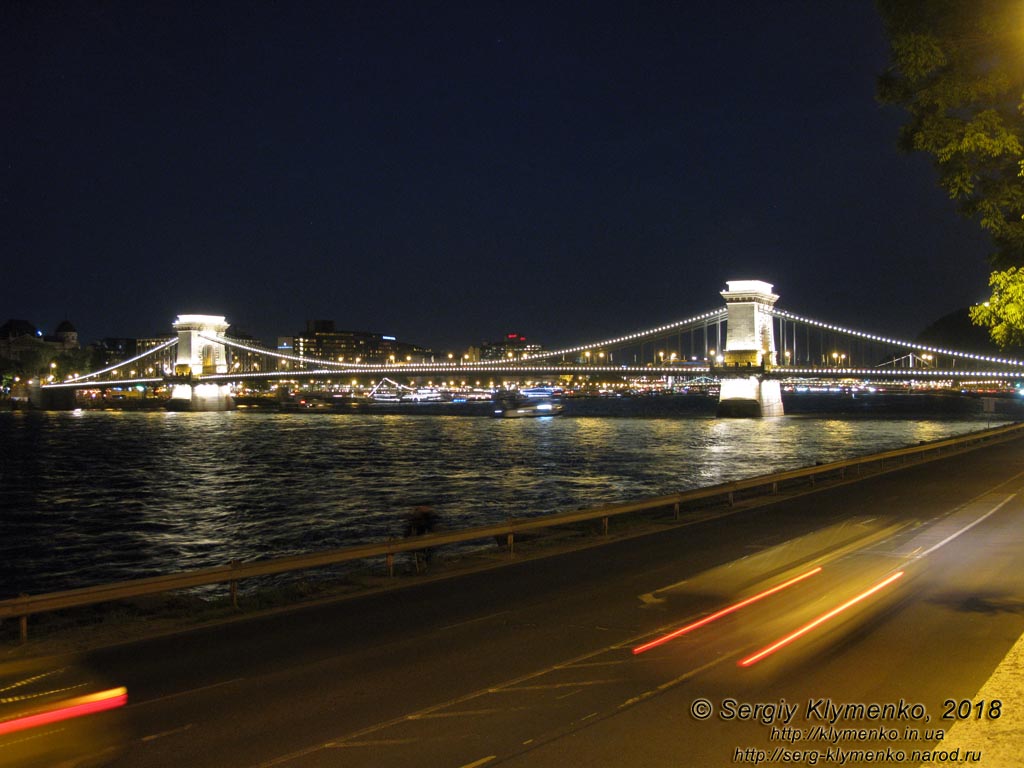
296,755
171,732
369,743
190,691
966,528
676,681
464,712
553,686
481,761
472,621
612,663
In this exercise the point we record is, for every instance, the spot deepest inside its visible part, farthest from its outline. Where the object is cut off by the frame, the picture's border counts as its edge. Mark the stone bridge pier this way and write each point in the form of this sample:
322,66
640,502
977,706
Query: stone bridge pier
200,354
749,352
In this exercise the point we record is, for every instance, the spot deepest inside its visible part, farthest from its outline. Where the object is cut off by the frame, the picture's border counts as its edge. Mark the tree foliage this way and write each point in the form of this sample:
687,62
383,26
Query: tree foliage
957,67
1003,313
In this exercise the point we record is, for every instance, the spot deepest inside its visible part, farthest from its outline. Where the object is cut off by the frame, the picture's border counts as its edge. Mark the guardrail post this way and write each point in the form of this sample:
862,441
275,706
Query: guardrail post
775,488
732,500
510,543
389,558
234,588
675,509
604,526
23,625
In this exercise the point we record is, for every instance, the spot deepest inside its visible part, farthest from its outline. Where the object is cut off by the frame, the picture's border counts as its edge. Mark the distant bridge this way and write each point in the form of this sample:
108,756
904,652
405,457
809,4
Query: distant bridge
747,340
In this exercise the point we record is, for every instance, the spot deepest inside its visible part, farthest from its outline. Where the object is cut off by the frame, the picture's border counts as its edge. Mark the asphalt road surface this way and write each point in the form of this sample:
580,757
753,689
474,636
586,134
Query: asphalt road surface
905,590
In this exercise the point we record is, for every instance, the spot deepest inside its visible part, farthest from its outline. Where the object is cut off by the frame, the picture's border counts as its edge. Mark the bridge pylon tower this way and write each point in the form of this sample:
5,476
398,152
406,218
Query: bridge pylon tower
200,353
749,352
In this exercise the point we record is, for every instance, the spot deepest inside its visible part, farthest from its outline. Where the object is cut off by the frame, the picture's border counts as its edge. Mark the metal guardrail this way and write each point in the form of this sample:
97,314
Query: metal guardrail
26,605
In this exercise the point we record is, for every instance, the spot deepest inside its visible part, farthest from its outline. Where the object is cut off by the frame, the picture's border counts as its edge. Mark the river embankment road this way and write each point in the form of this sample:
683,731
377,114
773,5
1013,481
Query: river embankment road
533,664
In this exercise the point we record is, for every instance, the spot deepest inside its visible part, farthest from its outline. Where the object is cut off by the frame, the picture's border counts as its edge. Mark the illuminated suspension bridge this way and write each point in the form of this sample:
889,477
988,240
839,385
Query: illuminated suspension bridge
747,340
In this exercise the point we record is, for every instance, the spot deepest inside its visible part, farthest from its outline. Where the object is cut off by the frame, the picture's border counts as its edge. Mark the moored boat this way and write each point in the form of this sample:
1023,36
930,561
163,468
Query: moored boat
512,407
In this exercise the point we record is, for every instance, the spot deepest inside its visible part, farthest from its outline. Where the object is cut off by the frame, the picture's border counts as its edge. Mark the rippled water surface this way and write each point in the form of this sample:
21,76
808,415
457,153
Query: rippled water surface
100,496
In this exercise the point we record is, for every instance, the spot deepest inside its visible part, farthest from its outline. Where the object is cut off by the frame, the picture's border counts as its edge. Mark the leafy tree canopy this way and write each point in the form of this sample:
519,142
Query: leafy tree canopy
957,67
1003,313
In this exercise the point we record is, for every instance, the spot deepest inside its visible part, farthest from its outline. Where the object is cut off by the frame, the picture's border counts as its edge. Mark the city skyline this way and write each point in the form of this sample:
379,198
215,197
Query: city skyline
447,175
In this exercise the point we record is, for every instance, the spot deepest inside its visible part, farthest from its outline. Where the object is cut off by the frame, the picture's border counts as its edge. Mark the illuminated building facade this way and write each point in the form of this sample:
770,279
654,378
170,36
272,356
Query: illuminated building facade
323,341
514,346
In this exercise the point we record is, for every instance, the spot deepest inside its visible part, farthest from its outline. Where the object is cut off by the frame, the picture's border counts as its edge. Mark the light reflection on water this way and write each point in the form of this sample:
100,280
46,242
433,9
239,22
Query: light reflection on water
103,496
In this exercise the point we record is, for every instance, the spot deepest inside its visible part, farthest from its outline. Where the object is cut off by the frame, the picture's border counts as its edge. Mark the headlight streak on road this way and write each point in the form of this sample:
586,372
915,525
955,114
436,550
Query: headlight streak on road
724,612
750,660
68,709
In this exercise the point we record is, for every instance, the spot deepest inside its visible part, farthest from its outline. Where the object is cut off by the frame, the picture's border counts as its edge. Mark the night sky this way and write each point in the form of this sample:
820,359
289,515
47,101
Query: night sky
447,172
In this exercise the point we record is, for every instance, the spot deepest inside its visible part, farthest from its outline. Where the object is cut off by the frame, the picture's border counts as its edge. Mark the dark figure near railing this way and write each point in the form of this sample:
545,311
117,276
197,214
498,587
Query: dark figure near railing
422,520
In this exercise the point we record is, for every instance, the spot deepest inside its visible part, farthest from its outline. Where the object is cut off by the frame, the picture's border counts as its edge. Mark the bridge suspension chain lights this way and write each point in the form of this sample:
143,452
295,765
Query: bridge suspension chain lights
900,373
782,314
88,376
416,369
718,314
279,355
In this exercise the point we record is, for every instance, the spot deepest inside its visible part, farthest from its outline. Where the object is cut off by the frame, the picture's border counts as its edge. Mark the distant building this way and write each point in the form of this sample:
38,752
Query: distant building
323,341
243,359
22,342
144,345
155,365
66,336
514,346
112,350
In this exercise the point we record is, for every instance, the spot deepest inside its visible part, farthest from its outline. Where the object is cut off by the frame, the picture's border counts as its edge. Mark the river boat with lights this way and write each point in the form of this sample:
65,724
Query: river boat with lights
511,406
423,395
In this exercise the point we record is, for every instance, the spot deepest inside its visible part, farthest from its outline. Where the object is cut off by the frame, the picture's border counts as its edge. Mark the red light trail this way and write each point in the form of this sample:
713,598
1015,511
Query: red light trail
817,622
70,708
724,612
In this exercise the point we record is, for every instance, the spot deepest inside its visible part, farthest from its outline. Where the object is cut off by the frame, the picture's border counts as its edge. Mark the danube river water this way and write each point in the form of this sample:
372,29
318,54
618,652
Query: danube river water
99,496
